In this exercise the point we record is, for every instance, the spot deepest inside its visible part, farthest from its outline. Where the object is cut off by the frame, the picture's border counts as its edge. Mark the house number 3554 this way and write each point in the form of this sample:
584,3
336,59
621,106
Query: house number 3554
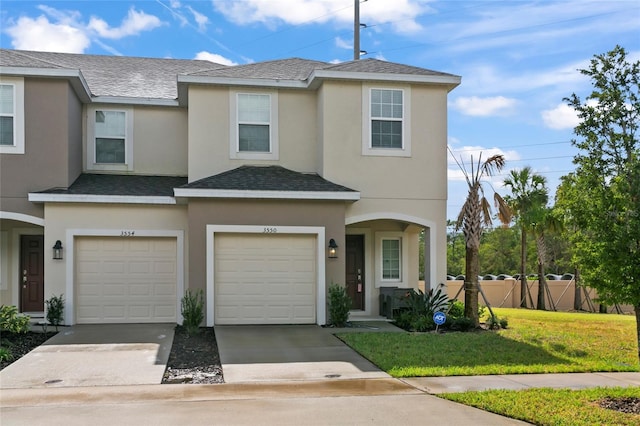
270,230
127,233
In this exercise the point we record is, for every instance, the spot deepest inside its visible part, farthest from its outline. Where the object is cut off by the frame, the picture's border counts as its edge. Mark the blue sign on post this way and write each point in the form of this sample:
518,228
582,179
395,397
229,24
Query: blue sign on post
439,318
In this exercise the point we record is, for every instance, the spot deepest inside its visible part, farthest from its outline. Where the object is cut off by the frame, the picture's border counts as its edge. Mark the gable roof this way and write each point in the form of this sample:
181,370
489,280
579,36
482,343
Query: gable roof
266,182
113,76
139,79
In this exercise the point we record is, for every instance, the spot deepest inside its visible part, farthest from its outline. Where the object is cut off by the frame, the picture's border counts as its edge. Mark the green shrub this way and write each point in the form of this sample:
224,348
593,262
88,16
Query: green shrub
456,309
5,355
461,324
55,310
11,321
339,305
192,308
495,323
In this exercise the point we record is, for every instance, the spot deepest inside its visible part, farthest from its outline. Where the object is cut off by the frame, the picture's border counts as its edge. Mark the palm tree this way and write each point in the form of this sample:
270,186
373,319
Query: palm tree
528,193
545,221
474,216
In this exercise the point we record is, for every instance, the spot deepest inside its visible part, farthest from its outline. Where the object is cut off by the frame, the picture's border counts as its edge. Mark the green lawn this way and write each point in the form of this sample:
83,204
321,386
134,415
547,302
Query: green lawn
535,342
552,406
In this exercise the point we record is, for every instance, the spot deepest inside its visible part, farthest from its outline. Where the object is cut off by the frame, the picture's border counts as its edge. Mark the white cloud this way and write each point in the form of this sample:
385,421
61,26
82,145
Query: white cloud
343,44
201,20
40,34
402,13
214,57
484,107
561,117
133,24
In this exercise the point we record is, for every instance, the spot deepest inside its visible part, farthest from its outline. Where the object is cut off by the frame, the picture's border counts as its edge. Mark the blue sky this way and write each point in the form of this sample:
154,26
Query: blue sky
517,59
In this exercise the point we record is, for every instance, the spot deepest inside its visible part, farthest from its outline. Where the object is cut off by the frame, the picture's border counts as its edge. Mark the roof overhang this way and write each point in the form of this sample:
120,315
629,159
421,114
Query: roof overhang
319,75
38,197
272,195
75,78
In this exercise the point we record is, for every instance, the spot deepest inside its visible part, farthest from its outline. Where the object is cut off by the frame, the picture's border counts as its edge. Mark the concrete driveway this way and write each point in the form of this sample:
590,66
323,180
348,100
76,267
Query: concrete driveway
95,355
288,353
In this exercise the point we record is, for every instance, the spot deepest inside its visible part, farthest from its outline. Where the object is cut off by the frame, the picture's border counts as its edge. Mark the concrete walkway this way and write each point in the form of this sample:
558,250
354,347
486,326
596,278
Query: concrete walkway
335,402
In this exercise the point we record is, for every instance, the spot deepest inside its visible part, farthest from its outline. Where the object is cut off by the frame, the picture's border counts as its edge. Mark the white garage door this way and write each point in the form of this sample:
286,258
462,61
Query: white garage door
125,280
265,279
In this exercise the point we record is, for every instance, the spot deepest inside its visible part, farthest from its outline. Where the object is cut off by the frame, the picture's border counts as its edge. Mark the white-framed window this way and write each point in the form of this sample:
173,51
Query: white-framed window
11,115
386,121
391,252
110,138
391,258
254,125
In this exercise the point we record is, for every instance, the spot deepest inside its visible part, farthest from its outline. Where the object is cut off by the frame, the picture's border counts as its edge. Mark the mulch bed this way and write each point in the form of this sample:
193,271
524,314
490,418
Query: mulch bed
21,344
194,358
629,405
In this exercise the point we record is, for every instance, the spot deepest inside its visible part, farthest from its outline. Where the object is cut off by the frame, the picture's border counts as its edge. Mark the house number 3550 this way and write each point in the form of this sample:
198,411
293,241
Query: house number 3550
127,233
270,230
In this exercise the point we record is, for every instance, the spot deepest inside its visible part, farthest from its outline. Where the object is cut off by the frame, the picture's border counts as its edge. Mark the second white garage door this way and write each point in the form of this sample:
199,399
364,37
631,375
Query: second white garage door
265,279
125,280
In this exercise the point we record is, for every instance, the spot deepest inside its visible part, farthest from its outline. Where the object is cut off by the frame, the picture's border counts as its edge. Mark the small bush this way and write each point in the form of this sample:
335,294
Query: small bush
5,355
339,305
456,309
11,321
192,308
461,324
495,323
55,310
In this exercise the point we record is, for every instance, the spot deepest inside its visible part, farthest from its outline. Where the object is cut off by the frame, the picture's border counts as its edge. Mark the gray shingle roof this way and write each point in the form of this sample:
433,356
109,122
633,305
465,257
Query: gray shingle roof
382,67
114,75
266,178
284,69
130,185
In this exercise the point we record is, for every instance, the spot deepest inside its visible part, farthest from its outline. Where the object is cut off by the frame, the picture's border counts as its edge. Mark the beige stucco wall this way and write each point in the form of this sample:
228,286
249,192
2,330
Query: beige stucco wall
203,212
210,122
60,218
52,117
159,140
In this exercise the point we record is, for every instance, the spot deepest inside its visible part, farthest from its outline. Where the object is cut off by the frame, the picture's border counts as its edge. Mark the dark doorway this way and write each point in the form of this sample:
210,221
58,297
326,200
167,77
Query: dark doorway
355,279
32,273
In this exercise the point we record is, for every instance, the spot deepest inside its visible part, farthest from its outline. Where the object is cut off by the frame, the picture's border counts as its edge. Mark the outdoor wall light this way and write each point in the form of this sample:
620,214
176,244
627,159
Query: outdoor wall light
333,249
57,250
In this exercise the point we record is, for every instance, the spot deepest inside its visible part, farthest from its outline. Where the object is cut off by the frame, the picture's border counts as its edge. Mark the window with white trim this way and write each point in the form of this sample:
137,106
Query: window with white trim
386,118
254,130
11,115
386,122
391,251
254,122
110,139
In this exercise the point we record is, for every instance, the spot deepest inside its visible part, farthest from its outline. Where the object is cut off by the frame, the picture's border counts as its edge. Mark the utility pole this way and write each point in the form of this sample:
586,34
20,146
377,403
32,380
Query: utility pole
356,30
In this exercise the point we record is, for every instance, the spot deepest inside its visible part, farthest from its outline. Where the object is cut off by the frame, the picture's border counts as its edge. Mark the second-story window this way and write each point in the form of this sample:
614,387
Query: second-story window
254,122
111,130
11,115
109,138
254,125
386,118
7,115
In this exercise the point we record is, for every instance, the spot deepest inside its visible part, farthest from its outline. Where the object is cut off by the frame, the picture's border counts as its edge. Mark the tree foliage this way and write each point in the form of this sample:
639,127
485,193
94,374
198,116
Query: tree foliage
529,196
473,218
601,199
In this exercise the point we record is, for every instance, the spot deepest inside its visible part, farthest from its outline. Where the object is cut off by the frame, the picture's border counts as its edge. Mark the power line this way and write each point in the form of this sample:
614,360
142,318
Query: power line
510,147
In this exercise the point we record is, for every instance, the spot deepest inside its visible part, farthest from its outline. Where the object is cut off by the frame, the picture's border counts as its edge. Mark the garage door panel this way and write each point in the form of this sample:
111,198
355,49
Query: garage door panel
126,279
264,279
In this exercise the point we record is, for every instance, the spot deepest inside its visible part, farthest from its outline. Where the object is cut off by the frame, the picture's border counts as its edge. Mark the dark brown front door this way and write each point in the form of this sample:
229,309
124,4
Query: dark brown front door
32,273
355,270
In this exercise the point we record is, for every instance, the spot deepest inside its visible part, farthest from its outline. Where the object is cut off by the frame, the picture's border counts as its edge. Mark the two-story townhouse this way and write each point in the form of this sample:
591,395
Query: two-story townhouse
260,184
